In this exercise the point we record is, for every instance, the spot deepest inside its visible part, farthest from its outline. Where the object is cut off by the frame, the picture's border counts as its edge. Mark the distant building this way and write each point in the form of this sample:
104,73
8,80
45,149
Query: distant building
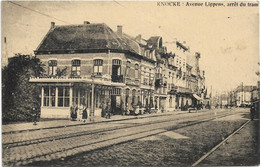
243,95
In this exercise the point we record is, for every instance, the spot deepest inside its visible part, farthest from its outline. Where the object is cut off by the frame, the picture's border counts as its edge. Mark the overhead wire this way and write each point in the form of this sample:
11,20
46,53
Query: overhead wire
47,15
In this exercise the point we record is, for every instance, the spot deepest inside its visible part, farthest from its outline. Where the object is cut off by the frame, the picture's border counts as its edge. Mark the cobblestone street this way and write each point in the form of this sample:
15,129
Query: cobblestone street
162,149
154,141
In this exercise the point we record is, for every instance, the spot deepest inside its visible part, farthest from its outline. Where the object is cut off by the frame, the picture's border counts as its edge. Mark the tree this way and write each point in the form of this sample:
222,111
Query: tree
19,95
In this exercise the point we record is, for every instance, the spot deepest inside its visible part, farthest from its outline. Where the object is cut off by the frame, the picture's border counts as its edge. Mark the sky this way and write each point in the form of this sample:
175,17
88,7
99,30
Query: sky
226,37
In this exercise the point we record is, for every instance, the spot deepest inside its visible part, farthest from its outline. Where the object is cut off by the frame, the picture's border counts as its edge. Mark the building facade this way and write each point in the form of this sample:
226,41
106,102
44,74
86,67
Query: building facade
91,64
243,95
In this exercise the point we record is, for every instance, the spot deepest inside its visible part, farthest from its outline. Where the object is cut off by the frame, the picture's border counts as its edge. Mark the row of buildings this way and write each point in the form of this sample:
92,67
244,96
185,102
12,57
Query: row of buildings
90,64
241,96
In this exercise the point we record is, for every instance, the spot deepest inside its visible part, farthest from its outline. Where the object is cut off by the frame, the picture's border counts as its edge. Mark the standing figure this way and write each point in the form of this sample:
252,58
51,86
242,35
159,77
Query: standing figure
252,112
122,107
103,107
84,113
73,111
108,110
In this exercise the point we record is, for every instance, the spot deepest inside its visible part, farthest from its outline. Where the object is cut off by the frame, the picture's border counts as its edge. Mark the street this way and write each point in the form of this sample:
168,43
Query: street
170,139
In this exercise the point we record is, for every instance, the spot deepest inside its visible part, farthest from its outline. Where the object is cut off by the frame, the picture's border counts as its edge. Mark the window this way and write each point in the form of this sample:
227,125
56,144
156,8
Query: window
136,71
78,96
150,77
116,67
134,97
98,66
75,67
63,96
145,81
126,96
128,66
49,96
46,96
52,67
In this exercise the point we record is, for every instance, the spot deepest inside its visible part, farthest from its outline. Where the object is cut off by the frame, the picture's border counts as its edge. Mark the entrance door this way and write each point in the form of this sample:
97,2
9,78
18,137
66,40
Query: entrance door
115,104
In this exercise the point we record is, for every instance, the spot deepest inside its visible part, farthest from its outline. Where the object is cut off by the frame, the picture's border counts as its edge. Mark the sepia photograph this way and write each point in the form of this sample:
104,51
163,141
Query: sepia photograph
130,83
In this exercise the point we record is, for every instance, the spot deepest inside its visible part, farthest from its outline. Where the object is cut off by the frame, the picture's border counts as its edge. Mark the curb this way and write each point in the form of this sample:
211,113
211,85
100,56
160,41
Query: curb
63,126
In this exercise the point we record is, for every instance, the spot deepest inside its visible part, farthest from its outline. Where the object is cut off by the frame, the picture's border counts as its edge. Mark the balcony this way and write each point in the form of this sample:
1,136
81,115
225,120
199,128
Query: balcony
117,78
158,76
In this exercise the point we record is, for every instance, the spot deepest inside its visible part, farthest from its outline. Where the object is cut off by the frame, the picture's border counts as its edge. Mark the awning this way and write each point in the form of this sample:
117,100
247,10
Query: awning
197,97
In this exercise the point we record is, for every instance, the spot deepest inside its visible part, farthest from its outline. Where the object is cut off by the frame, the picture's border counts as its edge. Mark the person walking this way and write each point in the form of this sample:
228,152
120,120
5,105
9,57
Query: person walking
84,113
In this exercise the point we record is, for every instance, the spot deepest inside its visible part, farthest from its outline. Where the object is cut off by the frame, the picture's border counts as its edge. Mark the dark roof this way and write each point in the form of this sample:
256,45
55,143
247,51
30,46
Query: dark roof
85,37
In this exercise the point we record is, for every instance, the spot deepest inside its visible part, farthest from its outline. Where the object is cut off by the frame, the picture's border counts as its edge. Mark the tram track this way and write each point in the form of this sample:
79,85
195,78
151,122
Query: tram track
82,133
99,144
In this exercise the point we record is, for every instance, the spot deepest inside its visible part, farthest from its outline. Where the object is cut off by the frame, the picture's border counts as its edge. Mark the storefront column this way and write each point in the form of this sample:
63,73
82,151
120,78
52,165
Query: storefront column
122,100
42,97
56,96
141,97
88,101
86,96
50,104
71,93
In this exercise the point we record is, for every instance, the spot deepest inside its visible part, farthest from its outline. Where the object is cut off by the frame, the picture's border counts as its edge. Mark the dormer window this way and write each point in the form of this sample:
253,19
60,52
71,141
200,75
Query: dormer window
52,67
75,67
98,66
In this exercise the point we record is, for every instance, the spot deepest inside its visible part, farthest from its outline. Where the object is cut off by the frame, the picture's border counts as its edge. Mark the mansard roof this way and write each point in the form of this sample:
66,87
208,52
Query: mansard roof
85,37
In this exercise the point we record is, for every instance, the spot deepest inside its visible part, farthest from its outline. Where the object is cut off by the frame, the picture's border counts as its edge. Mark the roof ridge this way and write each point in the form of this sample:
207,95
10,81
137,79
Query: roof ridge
74,25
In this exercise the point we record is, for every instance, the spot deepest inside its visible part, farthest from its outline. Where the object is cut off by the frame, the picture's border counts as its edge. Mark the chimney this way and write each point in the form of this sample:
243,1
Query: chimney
86,22
52,24
139,37
120,30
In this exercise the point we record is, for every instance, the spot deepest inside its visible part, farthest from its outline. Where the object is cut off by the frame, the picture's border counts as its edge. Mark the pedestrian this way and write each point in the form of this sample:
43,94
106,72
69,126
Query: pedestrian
81,107
122,107
108,110
103,107
84,113
252,112
73,111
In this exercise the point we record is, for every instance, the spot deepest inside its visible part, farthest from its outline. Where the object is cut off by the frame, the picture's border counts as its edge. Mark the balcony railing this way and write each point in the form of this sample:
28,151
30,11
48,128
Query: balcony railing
117,78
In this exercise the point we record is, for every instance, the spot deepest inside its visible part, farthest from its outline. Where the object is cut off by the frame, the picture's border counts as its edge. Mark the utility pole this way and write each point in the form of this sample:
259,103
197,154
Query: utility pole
242,94
5,54
92,112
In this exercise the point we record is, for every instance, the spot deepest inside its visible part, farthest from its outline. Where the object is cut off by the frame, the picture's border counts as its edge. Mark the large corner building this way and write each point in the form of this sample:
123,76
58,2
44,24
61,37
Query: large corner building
90,63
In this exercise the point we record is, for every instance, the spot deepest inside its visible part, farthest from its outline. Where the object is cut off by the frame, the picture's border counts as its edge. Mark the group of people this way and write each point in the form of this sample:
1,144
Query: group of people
83,113
106,109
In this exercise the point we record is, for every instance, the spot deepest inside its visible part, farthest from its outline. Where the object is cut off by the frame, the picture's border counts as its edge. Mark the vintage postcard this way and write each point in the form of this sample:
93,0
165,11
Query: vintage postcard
130,83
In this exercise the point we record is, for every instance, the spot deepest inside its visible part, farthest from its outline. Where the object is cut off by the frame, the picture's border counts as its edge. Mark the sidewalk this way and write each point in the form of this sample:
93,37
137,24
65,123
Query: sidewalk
240,150
28,126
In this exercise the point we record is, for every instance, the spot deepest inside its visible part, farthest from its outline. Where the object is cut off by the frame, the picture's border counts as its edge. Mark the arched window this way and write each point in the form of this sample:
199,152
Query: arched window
98,66
52,67
128,66
126,96
75,67
133,96
136,71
